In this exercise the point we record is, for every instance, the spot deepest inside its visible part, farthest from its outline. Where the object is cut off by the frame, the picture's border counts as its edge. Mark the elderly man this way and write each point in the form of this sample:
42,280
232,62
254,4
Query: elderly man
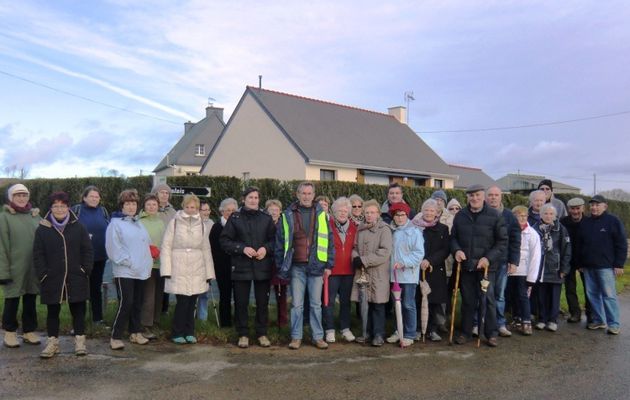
536,201
478,240
394,195
304,248
603,249
572,222
509,260
546,186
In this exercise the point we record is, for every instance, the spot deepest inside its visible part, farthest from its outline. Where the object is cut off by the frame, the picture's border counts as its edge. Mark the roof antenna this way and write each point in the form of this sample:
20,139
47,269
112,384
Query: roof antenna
211,101
259,82
408,98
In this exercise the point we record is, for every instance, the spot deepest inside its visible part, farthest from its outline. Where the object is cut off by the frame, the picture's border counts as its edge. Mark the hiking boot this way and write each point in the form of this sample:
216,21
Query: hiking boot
404,342
393,338
52,347
330,336
504,332
461,339
295,344
475,331
540,326
596,325
137,338
347,335
434,337
263,341
190,339
552,327
613,330
492,342
116,344
527,329
243,342
31,338
178,340
320,344
79,345
377,341
11,340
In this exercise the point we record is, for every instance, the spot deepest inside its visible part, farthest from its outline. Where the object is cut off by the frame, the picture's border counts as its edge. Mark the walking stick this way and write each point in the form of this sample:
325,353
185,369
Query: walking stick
454,302
214,304
484,289
424,278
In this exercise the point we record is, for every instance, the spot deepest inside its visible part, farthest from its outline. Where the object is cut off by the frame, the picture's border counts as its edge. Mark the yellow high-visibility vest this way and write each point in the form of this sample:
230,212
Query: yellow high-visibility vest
322,236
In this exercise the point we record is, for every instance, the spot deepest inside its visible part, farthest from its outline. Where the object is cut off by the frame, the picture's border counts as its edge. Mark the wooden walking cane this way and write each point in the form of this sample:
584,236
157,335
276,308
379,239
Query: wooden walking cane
454,303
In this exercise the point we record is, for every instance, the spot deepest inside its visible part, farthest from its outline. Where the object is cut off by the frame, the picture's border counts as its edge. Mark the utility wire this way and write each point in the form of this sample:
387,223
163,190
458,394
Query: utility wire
87,98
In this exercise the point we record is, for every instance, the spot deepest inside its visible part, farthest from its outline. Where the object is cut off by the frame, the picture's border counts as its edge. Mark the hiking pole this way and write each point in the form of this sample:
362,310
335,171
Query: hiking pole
454,303
214,304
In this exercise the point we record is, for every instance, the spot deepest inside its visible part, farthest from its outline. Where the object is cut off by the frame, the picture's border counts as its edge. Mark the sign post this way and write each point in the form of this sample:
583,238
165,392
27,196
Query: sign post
197,191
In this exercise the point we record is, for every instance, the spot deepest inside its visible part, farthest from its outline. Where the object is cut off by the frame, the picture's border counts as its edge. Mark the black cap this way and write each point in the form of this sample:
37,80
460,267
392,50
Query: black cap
546,182
598,198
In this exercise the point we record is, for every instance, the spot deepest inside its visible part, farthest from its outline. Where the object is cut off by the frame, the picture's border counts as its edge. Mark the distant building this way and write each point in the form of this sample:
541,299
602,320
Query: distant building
469,176
284,136
189,153
526,183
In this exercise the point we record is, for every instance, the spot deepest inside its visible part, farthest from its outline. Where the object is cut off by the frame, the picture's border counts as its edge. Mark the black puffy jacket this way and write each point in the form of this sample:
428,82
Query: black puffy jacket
478,235
556,257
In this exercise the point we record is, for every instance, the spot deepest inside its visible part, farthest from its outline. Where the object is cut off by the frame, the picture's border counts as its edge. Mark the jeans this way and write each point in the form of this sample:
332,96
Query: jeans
202,306
500,283
548,302
300,280
409,315
519,298
602,295
342,285
376,320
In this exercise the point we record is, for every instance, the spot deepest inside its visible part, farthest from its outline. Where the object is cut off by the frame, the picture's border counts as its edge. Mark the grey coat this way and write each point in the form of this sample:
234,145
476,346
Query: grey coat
374,246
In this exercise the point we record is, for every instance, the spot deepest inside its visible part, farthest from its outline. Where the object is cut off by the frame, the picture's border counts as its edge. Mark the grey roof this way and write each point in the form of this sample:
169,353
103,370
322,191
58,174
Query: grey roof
529,182
470,176
205,132
328,132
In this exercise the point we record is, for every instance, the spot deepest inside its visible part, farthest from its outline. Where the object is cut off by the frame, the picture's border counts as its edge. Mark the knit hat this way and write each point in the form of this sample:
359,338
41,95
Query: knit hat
15,189
452,203
546,182
439,194
394,208
161,186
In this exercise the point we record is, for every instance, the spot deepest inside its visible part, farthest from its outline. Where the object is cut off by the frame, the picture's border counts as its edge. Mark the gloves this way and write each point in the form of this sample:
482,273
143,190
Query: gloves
356,262
167,277
155,251
5,281
208,281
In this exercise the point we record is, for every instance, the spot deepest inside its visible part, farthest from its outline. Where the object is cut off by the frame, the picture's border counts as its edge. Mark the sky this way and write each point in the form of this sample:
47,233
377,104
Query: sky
87,87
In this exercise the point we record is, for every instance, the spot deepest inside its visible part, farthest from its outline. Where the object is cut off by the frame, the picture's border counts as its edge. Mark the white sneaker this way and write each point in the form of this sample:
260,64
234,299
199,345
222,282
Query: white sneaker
330,336
79,345
347,335
552,327
137,338
404,342
475,331
418,336
540,326
116,344
394,338
52,347
504,332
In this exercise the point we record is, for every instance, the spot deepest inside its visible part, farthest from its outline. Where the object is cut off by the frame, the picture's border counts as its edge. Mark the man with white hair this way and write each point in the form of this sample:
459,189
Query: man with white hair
536,201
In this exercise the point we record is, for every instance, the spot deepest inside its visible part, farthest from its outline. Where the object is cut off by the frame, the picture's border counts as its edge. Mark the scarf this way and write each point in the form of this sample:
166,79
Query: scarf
547,241
421,223
59,225
223,221
357,220
22,210
342,229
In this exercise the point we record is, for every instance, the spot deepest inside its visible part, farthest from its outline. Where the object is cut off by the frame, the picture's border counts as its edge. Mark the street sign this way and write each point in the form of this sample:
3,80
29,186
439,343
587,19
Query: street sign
198,191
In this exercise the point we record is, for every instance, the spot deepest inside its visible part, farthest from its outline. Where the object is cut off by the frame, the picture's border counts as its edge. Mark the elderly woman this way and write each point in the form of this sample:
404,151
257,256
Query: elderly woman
523,279
556,257
356,213
340,277
248,237
407,252
95,218
436,251
62,253
186,264
154,286
18,279
127,244
222,265
370,258
279,285
453,206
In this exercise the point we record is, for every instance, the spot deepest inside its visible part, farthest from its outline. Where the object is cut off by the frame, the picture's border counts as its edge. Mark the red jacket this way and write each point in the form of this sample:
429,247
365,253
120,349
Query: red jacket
343,251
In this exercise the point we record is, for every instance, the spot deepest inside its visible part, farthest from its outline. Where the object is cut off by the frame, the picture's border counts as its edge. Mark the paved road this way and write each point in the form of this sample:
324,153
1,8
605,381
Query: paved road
571,364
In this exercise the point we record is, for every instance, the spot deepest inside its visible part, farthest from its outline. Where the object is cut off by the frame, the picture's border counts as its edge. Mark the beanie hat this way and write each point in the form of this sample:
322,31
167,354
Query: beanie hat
546,182
161,186
394,208
439,194
15,189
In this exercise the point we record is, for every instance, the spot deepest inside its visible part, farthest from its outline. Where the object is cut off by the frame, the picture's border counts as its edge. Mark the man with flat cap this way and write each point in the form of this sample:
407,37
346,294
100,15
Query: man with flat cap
478,240
603,251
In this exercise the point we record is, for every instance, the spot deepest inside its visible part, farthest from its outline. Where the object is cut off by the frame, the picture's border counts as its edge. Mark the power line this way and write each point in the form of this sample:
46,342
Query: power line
534,125
87,98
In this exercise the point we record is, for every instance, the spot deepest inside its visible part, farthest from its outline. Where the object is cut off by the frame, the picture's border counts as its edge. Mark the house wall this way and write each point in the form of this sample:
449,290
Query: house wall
448,183
253,143
179,170
341,174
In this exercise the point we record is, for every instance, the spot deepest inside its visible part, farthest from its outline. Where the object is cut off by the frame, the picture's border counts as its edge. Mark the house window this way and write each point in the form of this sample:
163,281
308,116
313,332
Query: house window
327,175
438,183
200,150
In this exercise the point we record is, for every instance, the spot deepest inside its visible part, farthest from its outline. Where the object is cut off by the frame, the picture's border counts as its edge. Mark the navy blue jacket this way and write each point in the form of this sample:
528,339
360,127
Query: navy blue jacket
513,254
95,220
602,242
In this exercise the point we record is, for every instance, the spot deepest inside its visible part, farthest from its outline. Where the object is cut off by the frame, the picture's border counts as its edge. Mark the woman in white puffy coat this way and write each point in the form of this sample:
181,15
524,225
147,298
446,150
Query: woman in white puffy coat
186,263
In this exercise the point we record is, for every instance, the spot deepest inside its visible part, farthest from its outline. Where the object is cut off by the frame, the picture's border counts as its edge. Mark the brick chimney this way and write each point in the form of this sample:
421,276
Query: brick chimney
214,110
400,113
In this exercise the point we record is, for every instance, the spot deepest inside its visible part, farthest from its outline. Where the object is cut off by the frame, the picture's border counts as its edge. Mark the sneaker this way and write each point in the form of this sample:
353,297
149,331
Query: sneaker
263,341
527,329
295,344
178,340
361,339
613,330
347,335
404,342
149,335
11,340
377,341
540,326
596,325
137,338
330,336
504,332
461,339
31,338
243,342
320,344
575,318
434,337
116,344
190,339
475,331
393,338
552,327
79,345
492,342
52,347
418,336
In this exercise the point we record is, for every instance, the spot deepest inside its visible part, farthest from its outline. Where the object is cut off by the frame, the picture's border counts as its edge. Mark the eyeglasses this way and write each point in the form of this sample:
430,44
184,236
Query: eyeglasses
357,206
454,208
546,189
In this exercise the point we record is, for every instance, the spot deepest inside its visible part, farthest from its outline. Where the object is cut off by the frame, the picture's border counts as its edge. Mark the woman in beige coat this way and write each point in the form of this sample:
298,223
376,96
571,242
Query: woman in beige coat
186,263
370,258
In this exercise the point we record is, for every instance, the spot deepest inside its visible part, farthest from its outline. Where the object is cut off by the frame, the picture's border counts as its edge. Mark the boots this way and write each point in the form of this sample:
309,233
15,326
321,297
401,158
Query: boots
11,340
137,338
31,338
52,347
79,345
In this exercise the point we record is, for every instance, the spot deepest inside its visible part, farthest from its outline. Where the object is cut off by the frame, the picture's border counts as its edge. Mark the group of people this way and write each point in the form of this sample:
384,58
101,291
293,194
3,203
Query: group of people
347,250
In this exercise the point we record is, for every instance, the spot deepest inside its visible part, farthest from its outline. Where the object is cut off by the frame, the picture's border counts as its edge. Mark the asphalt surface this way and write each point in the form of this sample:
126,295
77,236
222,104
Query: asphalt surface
573,363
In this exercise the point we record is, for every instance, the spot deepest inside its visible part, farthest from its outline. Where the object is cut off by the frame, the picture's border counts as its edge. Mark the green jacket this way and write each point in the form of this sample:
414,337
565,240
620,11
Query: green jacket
156,227
17,232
